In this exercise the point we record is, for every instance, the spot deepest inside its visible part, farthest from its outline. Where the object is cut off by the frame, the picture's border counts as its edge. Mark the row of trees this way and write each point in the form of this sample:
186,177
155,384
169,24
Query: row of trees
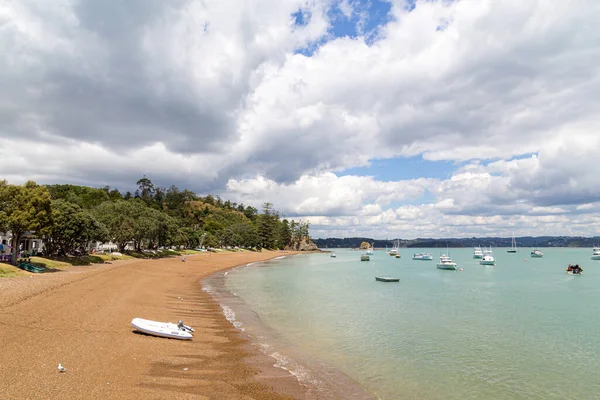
68,218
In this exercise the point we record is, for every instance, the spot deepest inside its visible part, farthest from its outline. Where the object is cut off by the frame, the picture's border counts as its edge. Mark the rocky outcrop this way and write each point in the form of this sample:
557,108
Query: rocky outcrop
304,244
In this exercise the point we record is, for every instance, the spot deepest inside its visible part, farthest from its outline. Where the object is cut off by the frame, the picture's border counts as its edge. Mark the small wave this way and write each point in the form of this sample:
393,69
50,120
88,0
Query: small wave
252,263
208,289
230,315
279,258
302,374
225,274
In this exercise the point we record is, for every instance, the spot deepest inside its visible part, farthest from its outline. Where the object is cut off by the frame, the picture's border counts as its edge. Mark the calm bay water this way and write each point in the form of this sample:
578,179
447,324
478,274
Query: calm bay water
523,329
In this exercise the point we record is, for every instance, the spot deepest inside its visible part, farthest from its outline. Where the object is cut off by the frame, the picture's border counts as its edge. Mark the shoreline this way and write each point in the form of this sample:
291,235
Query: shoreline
81,318
320,380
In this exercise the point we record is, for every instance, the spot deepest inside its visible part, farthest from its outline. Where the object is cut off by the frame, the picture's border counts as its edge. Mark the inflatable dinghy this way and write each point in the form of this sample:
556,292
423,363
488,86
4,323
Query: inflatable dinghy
163,329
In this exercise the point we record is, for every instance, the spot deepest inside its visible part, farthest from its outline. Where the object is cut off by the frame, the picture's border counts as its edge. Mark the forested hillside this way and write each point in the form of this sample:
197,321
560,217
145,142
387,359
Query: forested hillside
69,217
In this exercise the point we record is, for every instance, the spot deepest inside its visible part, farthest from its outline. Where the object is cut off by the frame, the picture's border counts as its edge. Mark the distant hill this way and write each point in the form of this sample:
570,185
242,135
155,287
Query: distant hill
524,241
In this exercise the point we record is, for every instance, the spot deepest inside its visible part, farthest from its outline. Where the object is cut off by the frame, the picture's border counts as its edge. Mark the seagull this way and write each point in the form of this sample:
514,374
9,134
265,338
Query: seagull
61,368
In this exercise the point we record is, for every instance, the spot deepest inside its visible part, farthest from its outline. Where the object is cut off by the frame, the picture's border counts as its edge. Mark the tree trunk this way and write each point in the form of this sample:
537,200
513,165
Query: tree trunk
15,249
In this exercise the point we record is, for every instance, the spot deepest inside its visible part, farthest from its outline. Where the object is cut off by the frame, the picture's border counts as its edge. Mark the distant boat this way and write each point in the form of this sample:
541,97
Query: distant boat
513,245
423,256
574,269
596,253
477,253
333,255
370,250
537,253
488,257
386,279
446,263
365,257
395,250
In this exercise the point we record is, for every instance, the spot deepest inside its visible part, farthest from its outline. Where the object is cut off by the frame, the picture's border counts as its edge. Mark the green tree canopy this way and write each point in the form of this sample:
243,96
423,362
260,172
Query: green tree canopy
72,228
26,208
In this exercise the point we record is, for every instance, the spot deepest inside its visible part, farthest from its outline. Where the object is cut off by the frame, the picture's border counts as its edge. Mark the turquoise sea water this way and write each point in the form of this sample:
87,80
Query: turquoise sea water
523,329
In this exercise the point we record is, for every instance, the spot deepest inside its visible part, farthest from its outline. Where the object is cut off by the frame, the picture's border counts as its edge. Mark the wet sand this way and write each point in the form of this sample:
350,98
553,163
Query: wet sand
82,319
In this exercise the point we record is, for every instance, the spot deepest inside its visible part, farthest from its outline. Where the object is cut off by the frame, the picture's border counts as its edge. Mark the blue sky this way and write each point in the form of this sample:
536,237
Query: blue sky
364,21
403,168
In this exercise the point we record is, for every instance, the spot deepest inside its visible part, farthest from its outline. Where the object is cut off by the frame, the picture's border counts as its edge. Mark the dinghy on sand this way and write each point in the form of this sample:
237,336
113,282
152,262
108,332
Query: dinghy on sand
163,329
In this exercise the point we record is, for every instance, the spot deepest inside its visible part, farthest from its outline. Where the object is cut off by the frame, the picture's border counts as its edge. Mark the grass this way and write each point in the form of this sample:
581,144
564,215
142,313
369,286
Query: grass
188,252
9,271
110,257
66,262
50,264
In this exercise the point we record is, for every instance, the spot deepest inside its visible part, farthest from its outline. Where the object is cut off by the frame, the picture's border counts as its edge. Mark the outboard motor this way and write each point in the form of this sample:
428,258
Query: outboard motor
183,327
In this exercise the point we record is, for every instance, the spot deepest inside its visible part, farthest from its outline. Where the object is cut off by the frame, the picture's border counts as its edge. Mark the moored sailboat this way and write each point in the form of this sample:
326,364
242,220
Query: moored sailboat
395,250
513,245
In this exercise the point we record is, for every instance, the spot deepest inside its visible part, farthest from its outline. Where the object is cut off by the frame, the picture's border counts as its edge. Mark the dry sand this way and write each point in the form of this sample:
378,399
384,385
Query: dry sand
82,319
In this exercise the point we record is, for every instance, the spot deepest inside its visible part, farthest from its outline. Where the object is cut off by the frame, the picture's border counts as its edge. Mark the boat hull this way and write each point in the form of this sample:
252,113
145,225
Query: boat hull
446,266
386,279
511,251
595,257
571,273
160,329
487,262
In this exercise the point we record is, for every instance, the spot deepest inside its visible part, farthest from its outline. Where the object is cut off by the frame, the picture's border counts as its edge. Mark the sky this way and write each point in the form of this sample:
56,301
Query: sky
375,118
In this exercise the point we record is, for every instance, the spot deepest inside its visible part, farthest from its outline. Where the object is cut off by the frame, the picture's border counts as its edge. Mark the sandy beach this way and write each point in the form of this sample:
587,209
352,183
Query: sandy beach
81,318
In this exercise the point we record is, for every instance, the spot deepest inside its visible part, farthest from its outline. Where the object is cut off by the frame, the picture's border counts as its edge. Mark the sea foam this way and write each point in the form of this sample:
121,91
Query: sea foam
230,315
302,374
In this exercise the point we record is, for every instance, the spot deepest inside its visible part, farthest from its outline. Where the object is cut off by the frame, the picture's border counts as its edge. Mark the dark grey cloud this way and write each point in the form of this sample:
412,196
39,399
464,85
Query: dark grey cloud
105,93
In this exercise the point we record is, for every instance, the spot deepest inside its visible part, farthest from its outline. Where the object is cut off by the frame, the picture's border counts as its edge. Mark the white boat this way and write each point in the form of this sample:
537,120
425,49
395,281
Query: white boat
446,262
365,257
477,253
596,253
163,329
513,245
369,250
423,256
333,255
488,257
537,253
395,250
